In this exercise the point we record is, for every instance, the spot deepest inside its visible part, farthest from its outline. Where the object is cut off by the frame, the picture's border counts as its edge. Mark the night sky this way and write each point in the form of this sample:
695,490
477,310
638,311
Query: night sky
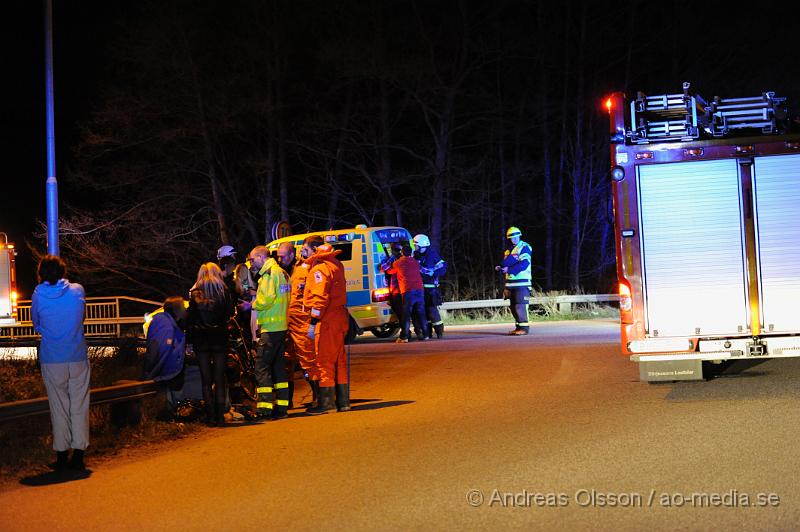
756,44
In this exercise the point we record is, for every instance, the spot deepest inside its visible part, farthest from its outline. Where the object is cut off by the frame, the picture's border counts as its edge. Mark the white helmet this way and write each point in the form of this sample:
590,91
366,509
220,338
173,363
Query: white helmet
226,251
422,241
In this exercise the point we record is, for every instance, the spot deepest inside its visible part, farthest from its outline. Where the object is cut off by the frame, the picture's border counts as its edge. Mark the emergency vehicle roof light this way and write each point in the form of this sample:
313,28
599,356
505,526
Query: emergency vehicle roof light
361,226
609,104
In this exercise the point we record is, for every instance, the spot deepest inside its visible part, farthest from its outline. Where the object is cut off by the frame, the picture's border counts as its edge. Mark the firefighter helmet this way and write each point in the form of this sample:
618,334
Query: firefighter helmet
422,241
226,251
513,231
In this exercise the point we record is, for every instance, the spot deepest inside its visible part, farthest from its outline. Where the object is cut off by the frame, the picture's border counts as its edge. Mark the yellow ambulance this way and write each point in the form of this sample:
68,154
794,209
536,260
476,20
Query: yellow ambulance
363,249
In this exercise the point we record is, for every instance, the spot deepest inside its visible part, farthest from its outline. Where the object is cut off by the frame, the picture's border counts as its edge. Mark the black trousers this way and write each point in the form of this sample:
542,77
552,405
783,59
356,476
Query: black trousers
432,301
211,357
520,297
270,370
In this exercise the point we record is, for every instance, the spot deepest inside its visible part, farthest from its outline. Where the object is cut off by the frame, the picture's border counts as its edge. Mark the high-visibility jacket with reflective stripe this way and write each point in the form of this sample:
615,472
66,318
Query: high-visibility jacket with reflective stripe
272,298
518,262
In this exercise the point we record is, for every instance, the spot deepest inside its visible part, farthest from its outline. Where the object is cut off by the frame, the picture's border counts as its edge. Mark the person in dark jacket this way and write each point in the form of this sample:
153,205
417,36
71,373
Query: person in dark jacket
57,312
406,268
207,332
166,348
432,267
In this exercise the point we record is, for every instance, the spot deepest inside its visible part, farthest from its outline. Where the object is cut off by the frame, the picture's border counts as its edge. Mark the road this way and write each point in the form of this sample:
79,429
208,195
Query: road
476,431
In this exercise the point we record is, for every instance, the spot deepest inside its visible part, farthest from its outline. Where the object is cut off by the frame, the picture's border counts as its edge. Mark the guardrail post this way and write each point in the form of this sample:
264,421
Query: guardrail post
564,308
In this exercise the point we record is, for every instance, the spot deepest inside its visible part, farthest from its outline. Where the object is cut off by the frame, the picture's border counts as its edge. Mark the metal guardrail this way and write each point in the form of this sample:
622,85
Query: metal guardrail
97,396
102,318
564,302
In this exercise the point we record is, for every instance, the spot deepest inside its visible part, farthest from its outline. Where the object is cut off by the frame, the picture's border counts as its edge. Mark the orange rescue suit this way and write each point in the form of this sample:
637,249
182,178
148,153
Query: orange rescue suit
324,298
300,347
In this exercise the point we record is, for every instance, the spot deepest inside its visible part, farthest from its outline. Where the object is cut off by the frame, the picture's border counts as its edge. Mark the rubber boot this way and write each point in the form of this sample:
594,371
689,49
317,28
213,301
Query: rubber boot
439,330
343,397
219,414
76,463
314,392
62,461
325,401
281,400
291,392
264,403
211,415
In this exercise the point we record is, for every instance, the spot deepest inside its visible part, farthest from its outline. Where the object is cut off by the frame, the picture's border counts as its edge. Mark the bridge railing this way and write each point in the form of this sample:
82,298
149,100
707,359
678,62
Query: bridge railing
104,317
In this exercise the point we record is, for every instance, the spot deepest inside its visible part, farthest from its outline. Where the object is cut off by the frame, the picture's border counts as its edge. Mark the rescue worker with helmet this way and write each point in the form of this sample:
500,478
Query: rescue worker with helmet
516,267
432,267
271,306
299,347
325,297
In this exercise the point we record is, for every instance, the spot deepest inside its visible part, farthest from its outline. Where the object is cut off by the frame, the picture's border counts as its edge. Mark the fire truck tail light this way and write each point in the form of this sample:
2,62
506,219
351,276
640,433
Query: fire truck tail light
644,155
625,300
694,152
793,145
14,295
380,294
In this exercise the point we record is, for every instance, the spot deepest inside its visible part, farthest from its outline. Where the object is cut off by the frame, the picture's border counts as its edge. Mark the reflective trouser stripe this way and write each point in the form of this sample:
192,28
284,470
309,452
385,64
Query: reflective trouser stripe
282,402
523,324
524,283
429,286
281,385
264,389
435,323
264,405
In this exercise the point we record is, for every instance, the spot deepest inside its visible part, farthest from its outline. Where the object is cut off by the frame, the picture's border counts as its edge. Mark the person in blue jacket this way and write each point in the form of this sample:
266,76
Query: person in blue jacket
166,348
57,312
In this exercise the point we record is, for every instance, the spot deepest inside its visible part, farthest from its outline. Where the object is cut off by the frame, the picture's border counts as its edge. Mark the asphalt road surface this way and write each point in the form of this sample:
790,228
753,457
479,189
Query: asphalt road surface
475,431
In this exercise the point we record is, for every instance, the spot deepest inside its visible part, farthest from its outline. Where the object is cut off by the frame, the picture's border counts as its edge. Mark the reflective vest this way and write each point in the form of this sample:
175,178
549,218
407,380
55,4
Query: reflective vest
272,298
518,262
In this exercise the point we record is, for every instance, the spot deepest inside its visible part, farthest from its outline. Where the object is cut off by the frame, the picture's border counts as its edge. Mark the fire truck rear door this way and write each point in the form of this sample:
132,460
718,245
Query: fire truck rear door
692,248
777,197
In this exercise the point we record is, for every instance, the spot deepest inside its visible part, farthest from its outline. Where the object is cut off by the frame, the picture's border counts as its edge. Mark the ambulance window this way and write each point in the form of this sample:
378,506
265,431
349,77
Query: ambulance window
347,250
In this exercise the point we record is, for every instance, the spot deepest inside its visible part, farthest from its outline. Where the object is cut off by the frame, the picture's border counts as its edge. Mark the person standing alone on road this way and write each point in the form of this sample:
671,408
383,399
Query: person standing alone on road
407,270
57,312
516,266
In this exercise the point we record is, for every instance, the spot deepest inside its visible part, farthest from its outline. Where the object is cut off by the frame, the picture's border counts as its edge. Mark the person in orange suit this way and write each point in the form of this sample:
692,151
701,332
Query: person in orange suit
300,348
324,298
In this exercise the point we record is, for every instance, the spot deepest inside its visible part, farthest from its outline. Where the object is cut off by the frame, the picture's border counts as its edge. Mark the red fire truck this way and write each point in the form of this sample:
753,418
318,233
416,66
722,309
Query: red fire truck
706,197
8,282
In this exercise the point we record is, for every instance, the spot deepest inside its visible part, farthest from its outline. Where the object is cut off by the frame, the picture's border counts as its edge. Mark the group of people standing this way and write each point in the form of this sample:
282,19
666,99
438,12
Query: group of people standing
413,279
293,308
293,312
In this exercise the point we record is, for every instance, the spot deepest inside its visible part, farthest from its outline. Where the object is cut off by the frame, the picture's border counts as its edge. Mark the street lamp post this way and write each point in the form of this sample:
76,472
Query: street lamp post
52,183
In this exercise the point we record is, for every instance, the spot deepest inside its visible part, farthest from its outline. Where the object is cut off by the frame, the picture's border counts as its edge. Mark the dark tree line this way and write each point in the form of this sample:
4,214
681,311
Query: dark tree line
452,118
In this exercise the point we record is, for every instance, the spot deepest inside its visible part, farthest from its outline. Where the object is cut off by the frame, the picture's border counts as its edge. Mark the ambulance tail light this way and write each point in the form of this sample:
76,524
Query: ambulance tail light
380,294
14,297
625,302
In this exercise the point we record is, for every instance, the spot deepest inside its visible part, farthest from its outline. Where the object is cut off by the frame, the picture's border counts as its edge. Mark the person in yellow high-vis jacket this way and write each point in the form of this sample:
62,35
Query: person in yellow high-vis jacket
271,306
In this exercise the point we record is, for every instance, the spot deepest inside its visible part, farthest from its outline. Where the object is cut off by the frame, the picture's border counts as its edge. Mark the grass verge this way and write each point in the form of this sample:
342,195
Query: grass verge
27,443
